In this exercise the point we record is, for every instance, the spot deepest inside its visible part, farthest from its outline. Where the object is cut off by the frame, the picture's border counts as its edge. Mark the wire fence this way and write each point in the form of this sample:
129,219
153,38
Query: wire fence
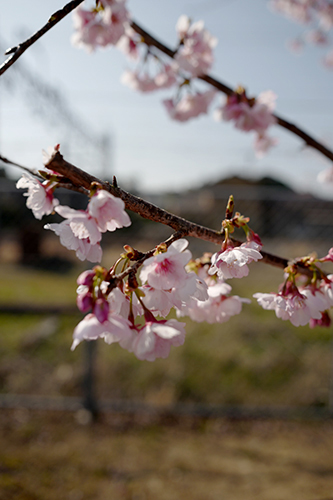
253,366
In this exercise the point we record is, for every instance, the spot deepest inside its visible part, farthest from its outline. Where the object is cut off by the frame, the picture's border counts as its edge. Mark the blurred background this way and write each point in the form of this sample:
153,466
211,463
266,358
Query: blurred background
254,396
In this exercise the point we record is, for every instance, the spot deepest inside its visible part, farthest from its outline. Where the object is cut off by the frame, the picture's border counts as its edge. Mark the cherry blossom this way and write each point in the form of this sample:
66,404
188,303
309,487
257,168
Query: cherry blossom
159,302
113,329
143,82
299,307
82,224
248,115
232,262
218,308
100,28
128,45
155,338
195,54
189,106
83,247
40,195
108,211
167,270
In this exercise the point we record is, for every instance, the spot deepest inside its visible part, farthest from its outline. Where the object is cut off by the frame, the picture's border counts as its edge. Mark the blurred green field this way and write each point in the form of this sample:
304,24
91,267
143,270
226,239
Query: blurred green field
254,359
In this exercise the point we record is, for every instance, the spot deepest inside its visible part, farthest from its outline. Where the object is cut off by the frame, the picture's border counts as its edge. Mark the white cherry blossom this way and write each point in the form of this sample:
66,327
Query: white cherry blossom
108,211
155,339
40,195
114,329
232,262
167,270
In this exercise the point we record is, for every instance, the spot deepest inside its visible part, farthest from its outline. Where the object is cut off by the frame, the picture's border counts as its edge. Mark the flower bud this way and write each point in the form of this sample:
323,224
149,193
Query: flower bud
86,278
84,301
101,309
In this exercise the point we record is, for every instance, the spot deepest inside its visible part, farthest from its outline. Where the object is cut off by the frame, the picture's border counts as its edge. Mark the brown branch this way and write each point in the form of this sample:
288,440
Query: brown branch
81,179
308,139
16,52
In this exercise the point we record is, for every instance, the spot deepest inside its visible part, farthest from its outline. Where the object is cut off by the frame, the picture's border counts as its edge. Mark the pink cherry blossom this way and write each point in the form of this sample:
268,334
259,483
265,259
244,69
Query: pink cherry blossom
193,287
40,195
257,116
232,262
143,82
114,329
119,303
189,106
218,308
167,270
128,45
99,29
108,211
159,302
155,338
195,54
83,247
82,224
297,307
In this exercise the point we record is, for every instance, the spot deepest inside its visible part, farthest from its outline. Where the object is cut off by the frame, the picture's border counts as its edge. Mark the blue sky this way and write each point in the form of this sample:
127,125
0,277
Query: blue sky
148,150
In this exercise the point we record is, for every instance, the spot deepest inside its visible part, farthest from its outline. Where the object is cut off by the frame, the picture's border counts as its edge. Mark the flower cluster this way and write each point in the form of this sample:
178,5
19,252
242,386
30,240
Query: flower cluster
144,82
109,24
189,106
195,53
132,311
81,230
302,302
127,313
232,260
219,305
251,115
102,26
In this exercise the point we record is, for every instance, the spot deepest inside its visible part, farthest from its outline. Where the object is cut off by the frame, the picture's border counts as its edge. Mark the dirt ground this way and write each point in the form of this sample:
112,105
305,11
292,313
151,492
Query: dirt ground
53,455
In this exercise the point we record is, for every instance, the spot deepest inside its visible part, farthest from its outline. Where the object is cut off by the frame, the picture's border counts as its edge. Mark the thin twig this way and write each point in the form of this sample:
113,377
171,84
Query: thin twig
16,52
13,163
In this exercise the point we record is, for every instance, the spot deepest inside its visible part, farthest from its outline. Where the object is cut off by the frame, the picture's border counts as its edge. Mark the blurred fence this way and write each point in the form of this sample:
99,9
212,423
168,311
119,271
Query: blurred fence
254,365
